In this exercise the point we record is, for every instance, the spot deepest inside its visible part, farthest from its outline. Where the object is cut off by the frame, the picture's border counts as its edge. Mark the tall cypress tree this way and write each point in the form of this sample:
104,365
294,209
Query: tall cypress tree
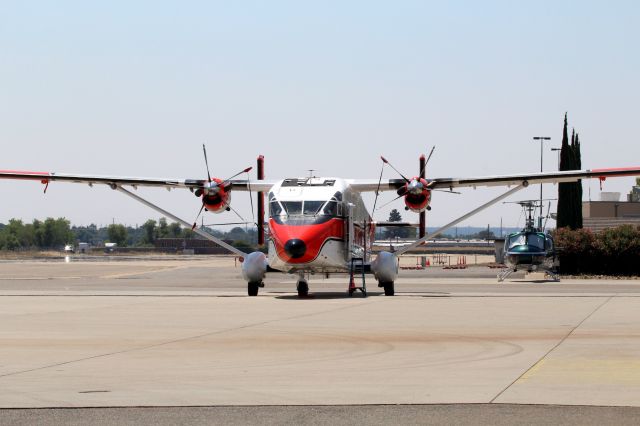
577,194
564,189
570,193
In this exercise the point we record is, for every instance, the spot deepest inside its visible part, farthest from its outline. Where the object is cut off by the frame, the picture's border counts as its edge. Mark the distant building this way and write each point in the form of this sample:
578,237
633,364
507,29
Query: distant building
611,212
190,246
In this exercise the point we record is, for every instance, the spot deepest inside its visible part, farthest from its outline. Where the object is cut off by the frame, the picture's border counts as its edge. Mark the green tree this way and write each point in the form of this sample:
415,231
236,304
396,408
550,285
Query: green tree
395,216
149,228
577,186
393,232
117,234
163,228
175,230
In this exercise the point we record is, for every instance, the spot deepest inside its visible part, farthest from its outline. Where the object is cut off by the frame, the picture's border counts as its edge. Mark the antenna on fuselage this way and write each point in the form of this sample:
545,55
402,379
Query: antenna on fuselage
311,172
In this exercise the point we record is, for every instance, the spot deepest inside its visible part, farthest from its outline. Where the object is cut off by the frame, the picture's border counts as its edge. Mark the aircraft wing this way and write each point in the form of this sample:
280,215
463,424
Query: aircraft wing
371,185
533,178
46,177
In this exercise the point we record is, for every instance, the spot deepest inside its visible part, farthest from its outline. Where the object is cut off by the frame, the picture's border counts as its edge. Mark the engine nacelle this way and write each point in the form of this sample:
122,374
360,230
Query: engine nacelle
254,267
216,195
417,195
385,267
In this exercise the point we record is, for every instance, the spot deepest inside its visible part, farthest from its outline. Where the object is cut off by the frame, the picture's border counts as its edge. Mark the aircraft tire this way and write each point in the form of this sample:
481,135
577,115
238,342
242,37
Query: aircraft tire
252,288
389,289
303,289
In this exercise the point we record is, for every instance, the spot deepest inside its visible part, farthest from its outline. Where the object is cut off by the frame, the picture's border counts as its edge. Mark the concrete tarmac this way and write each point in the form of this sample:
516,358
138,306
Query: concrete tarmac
171,332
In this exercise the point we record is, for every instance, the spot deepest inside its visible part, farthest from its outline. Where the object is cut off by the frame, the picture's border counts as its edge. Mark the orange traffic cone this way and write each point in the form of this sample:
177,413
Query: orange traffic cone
352,284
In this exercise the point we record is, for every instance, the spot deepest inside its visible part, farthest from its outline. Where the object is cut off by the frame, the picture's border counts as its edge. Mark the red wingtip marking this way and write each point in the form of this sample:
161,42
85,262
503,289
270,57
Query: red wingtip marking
25,172
632,170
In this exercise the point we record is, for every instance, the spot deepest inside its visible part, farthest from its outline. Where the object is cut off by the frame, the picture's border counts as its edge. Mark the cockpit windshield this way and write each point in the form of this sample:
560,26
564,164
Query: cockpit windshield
534,241
302,212
312,207
292,208
517,240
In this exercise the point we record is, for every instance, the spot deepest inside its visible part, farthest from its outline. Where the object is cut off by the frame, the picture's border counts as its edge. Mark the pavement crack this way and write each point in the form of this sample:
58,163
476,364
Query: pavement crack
597,308
183,339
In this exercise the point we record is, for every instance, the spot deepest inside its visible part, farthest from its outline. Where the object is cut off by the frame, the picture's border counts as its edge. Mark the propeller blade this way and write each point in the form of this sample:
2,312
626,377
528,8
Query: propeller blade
427,161
247,170
206,162
386,204
195,222
384,160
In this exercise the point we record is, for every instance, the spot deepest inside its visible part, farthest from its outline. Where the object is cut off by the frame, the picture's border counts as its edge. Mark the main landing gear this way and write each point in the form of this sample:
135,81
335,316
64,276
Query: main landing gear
252,288
389,288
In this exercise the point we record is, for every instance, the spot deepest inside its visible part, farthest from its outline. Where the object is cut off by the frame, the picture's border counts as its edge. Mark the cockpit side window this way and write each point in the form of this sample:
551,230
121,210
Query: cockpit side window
330,209
549,244
275,209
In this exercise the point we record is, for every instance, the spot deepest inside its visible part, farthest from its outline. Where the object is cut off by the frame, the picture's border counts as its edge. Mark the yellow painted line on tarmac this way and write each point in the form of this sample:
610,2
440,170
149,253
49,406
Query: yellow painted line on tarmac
620,371
533,370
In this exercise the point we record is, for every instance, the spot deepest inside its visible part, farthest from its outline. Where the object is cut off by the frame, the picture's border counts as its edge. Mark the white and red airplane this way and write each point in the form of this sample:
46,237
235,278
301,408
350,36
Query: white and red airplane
320,224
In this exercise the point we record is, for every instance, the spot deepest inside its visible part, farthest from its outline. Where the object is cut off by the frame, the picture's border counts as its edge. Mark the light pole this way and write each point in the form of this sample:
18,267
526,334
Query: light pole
558,151
541,139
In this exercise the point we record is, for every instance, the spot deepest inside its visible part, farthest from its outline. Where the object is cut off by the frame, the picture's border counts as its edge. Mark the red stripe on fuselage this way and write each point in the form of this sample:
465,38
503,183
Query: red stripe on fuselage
313,235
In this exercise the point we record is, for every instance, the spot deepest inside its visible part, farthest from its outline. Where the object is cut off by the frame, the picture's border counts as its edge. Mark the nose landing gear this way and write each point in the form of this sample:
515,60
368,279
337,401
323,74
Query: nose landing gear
302,286
252,287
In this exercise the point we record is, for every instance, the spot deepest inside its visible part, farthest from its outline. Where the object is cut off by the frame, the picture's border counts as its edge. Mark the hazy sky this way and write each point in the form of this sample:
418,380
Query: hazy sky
135,88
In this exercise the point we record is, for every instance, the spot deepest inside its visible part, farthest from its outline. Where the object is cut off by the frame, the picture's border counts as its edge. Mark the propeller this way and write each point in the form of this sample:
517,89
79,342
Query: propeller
416,190
212,187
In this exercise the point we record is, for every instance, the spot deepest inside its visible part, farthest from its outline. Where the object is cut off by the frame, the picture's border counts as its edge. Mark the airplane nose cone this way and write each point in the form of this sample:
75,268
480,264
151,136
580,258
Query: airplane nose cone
295,248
